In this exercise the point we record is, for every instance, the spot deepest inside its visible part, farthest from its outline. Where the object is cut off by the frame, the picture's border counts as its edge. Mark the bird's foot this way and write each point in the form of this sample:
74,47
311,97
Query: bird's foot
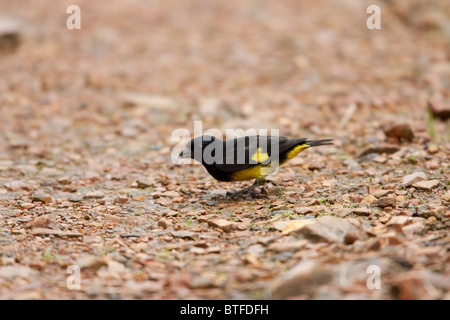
241,192
260,182
244,191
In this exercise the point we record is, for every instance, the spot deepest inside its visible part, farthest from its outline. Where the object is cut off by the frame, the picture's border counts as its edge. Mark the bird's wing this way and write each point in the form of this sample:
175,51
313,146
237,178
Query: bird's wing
242,153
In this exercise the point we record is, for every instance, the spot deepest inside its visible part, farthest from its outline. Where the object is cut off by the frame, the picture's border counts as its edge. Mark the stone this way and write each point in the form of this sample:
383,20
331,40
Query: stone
183,234
326,229
287,246
446,196
94,195
14,271
394,241
412,178
372,244
16,185
398,221
303,210
378,229
29,295
27,205
432,148
44,221
177,200
385,148
44,198
69,188
170,194
279,225
381,193
294,225
115,267
91,262
342,212
400,131
10,35
163,202
76,198
273,191
432,165
413,228
64,180
132,99
163,223
351,237
303,278
388,201
420,285
352,165
142,288
53,232
201,282
426,185
363,211
121,200
223,224
144,184
380,159
369,199
50,172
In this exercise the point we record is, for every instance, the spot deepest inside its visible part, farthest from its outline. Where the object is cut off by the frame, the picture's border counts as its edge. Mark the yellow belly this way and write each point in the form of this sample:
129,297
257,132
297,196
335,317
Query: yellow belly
258,171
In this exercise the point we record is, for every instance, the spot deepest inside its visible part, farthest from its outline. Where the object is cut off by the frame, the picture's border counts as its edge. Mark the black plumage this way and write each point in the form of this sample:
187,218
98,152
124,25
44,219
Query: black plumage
246,158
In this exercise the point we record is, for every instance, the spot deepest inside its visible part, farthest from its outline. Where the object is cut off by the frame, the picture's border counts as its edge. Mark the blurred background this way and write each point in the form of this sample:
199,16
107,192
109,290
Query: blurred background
139,69
87,115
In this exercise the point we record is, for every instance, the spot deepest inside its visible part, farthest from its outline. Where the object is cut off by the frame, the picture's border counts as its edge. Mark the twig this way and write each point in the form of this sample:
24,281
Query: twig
347,115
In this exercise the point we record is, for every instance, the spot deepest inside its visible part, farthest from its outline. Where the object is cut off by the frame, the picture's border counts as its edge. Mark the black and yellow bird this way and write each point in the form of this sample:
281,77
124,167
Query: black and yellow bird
246,158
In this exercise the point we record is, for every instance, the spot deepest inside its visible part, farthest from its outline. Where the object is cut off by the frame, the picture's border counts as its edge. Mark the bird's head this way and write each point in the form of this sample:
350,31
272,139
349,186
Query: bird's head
195,147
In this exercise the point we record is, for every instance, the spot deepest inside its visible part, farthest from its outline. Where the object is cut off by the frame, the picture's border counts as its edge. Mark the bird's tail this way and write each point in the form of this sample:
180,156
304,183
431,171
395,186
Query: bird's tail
316,143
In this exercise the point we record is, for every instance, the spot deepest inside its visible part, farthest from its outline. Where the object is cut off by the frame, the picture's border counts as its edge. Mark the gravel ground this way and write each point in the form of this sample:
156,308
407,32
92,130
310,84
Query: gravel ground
88,187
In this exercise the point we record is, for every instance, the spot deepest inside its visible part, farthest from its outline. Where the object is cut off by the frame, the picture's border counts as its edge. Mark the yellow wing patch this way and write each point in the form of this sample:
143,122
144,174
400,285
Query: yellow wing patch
260,156
260,170
296,151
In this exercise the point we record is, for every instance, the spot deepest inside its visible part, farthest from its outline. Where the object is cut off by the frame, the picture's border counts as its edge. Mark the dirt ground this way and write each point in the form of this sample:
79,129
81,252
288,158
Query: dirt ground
88,187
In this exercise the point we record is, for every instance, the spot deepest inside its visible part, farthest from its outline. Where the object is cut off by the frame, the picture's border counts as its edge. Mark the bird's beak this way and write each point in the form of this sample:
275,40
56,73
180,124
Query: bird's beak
184,155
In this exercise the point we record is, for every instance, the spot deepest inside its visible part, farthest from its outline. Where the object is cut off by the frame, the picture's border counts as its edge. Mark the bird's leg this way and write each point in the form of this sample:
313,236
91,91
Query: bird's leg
258,182
261,181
